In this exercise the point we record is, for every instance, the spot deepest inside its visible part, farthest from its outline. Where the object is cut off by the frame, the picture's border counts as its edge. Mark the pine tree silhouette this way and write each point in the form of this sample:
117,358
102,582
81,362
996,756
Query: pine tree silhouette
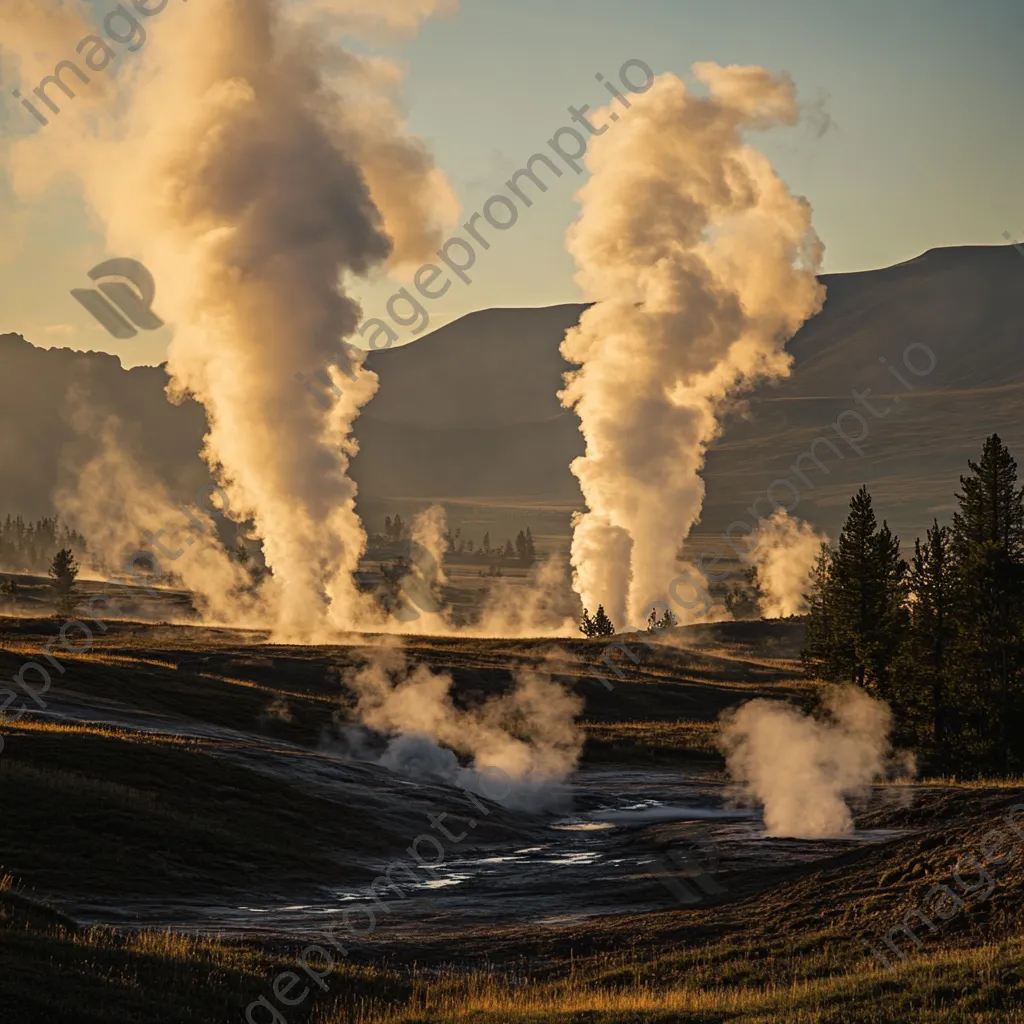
64,571
988,538
602,624
587,624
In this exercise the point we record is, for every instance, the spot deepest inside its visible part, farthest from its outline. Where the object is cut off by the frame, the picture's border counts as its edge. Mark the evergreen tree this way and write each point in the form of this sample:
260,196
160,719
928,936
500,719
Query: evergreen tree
660,625
602,624
934,585
742,601
521,546
853,592
988,539
863,601
531,551
32,546
64,571
486,544
991,507
891,615
587,624
820,654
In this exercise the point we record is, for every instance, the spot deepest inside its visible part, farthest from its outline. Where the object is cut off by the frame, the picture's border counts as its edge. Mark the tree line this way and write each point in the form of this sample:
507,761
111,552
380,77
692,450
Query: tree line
397,532
30,546
940,638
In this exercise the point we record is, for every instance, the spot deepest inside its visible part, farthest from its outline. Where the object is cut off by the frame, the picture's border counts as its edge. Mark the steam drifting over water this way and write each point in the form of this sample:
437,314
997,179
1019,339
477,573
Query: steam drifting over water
803,769
522,745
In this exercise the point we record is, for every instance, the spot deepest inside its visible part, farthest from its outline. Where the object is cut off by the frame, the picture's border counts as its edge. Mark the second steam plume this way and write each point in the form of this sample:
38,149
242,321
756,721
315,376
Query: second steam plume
703,265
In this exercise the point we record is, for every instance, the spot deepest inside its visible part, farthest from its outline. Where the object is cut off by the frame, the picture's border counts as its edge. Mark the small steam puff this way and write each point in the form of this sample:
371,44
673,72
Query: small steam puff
522,745
543,607
104,484
785,554
802,769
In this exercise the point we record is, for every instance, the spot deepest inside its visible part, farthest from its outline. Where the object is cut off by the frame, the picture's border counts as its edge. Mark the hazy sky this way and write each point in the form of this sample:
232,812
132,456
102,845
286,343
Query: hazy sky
920,99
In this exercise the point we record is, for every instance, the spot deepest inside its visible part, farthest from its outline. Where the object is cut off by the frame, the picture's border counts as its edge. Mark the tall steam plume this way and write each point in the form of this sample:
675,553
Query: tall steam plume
703,266
256,168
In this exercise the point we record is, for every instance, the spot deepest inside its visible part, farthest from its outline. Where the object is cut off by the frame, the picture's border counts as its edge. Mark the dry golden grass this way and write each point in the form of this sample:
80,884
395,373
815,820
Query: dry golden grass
172,947
982,782
317,698
931,984
40,725
94,657
683,734
650,742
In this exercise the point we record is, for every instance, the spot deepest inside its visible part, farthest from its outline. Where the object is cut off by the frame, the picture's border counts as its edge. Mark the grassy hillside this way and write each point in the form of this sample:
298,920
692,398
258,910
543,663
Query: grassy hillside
179,769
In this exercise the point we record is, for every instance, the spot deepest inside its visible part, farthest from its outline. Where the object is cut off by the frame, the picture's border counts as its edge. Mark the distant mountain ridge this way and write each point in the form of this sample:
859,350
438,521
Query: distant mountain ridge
963,303
470,411
40,390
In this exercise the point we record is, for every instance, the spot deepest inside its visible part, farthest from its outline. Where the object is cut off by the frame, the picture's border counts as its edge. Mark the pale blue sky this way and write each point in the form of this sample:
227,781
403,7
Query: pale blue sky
926,148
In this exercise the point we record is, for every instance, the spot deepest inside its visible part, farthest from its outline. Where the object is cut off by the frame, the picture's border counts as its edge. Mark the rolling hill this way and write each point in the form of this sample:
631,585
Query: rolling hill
469,413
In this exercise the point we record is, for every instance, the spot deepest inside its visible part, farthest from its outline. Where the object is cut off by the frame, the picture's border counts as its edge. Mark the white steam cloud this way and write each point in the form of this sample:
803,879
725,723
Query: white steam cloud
521,745
111,486
421,600
544,606
703,266
785,554
541,605
803,769
429,532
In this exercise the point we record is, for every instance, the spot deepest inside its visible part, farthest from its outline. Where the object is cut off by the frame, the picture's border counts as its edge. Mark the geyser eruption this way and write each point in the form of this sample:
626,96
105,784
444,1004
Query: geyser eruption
521,745
702,265
802,769
256,169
